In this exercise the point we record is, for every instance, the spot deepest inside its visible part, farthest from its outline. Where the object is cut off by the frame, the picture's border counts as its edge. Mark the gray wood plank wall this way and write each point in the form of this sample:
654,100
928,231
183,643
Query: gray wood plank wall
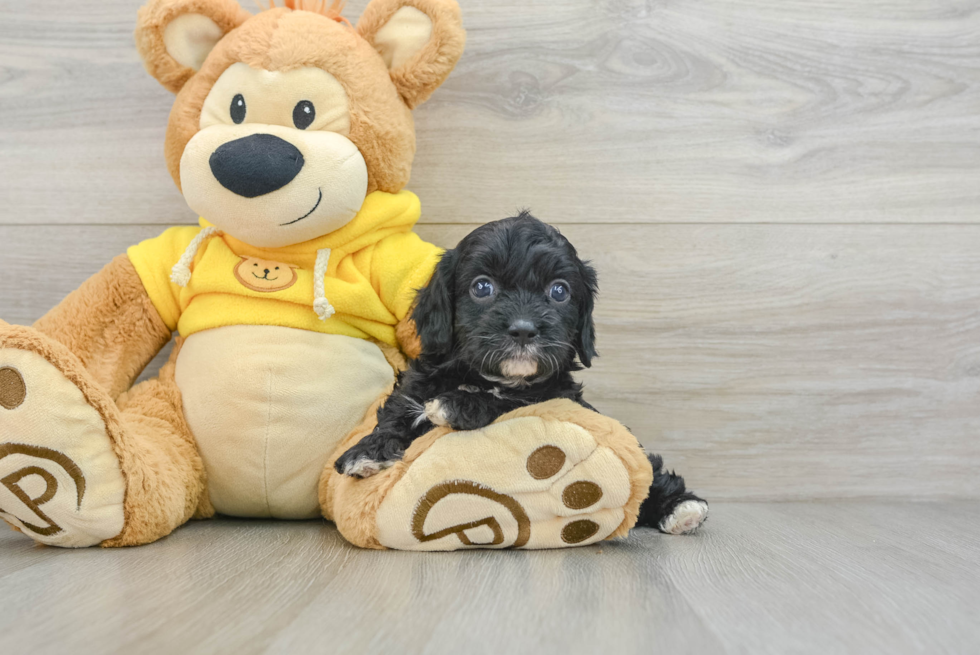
782,198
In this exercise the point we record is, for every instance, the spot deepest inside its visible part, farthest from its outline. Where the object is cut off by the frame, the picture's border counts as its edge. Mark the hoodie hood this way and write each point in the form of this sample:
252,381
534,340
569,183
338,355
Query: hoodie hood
363,275
381,215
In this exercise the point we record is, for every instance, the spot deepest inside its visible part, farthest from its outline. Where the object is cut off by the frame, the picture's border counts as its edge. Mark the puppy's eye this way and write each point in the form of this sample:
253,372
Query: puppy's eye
238,108
559,292
482,288
303,114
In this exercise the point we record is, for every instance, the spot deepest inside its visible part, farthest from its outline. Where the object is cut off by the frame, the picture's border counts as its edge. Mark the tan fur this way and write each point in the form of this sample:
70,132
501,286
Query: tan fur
281,39
408,338
153,20
164,474
395,358
353,504
110,324
325,7
166,481
420,76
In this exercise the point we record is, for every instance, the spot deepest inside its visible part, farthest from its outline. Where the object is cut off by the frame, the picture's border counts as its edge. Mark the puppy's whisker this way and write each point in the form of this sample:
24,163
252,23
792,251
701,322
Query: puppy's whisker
555,342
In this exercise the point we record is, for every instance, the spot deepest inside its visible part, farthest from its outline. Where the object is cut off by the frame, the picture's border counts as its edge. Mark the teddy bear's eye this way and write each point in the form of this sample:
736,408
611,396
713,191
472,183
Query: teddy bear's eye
303,114
238,109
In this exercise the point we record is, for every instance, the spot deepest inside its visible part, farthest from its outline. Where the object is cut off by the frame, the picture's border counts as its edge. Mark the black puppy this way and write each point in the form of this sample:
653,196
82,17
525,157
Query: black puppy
501,323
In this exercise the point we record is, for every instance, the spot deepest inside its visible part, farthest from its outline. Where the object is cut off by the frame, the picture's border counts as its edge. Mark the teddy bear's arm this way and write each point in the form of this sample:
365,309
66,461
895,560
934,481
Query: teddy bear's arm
110,324
408,339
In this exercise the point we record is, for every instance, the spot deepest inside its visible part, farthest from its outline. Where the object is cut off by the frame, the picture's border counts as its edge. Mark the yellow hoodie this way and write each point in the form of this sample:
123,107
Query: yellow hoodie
199,278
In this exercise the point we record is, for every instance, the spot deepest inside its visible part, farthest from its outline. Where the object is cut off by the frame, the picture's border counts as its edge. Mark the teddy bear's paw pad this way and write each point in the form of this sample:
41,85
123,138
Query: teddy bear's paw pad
522,483
60,481
686,517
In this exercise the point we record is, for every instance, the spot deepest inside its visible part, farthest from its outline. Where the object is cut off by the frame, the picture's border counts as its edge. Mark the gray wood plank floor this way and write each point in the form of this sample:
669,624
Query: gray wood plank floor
831,577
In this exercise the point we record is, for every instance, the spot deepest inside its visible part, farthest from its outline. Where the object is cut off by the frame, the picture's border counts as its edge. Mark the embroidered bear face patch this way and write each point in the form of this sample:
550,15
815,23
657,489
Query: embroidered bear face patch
265,274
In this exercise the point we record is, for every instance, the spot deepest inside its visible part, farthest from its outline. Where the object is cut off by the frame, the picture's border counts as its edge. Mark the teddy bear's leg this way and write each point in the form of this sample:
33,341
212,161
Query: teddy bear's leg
548,476
167,483
76,468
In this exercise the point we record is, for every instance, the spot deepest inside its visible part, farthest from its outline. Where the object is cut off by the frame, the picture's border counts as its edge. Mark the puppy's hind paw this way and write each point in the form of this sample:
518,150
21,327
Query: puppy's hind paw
686,517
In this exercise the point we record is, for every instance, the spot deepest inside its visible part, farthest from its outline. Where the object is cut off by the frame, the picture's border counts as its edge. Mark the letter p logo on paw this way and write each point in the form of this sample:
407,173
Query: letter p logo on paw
16,482
442,505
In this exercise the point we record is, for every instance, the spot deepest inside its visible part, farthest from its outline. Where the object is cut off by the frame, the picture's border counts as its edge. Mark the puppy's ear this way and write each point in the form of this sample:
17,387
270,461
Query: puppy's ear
174,37
434,312
585,343
419,40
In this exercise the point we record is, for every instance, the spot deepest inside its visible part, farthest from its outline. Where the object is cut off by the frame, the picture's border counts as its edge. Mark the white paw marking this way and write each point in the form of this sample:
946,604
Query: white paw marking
687,517
365,468
436,413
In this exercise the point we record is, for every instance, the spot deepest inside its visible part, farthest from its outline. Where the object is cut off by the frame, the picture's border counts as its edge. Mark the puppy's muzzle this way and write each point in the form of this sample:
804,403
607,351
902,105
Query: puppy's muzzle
256,165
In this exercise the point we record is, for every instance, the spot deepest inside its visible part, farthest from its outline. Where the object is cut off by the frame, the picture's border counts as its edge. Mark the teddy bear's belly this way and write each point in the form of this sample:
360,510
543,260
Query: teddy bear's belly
268,405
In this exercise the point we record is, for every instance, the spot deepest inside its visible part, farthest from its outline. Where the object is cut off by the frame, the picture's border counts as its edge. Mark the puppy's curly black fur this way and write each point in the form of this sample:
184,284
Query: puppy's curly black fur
501,322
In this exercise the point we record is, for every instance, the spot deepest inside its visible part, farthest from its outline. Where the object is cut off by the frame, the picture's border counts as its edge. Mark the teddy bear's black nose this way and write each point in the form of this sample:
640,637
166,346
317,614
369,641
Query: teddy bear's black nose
256,165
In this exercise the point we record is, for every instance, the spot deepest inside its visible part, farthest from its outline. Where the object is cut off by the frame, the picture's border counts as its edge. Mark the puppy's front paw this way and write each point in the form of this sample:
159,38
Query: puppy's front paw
365,468
437,412
365,459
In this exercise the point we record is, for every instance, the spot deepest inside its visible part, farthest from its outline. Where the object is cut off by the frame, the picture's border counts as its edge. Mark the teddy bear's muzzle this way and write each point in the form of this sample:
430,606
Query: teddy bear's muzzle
255,165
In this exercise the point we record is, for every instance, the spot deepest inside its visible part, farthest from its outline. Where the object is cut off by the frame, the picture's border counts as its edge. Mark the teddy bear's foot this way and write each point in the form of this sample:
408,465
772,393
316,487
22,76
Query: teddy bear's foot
60,481
525,482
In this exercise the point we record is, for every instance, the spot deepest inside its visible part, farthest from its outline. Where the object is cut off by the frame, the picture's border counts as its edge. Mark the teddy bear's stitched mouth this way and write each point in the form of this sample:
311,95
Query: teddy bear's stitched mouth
320,198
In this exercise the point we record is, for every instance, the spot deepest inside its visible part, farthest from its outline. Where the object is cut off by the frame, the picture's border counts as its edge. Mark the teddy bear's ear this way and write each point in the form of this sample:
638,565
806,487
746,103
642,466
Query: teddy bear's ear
174,37
419,40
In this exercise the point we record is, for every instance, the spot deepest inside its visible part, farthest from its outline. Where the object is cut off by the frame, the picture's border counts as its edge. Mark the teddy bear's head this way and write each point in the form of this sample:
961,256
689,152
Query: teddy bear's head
284,121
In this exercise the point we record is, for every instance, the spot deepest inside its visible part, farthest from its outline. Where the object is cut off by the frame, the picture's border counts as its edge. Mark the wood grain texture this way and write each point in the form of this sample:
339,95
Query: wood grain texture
763,361
623,111
770,578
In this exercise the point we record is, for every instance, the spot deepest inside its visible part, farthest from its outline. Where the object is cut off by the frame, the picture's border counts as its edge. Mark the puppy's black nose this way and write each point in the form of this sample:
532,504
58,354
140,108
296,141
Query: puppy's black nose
266,271
523,331
256,165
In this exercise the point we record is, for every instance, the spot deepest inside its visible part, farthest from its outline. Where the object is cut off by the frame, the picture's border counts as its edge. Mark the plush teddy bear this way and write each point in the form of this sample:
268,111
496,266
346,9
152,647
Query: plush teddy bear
292,137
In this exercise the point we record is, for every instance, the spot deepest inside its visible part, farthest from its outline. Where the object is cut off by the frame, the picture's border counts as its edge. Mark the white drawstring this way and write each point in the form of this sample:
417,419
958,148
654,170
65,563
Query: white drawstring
180,274
321,305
